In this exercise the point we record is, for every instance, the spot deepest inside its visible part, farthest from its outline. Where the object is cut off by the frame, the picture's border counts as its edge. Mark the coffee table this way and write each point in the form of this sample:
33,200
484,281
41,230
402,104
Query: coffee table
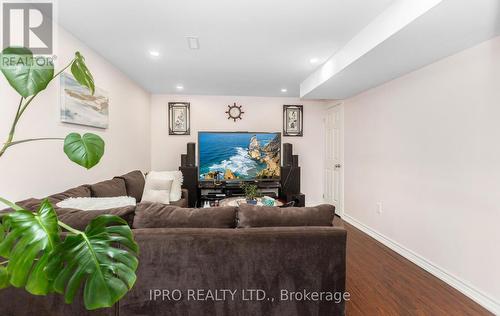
236,201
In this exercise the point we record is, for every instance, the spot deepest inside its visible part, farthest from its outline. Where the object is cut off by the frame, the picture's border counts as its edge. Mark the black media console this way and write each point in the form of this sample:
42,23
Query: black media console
287,189
211,191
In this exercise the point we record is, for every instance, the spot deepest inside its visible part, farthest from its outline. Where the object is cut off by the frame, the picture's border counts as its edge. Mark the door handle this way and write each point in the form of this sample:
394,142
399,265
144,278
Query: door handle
337,166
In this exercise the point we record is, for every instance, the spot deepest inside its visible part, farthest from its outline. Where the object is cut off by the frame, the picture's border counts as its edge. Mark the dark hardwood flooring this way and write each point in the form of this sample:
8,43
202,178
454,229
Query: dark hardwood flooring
381,282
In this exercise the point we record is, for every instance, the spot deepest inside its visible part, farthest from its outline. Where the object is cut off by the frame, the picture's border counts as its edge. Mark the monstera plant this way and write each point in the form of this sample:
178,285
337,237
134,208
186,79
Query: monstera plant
41,253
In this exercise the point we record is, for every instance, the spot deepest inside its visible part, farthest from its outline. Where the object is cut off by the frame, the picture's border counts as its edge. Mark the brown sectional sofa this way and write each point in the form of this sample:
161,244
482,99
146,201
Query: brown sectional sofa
197,252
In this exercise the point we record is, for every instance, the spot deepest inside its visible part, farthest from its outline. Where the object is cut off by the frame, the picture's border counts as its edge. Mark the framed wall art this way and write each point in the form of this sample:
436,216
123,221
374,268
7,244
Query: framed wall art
178,118
293,120
79,106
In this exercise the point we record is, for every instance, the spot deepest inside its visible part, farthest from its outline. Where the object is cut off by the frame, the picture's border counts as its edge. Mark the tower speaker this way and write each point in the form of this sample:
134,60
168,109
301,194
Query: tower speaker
191,155
290,180
190,183
295,160
287,154
183,160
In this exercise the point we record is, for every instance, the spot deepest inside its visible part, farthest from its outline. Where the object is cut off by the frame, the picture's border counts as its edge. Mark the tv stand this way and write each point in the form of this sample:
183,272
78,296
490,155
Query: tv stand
213,191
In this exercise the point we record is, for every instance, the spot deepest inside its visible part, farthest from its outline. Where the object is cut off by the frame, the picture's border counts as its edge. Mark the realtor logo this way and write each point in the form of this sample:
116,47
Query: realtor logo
28,24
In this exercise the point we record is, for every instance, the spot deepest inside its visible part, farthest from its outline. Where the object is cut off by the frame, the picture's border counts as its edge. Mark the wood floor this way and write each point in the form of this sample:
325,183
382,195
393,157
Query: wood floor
381,282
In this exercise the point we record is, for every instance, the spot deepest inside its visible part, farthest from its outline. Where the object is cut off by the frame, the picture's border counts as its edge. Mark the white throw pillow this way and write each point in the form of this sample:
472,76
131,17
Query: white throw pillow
157,189
95,203
177,180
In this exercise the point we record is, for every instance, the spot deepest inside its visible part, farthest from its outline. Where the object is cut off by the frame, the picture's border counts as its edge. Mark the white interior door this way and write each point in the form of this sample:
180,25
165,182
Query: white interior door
334,158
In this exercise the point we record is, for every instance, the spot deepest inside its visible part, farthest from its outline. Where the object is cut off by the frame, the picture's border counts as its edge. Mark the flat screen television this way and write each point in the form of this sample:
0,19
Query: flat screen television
232,156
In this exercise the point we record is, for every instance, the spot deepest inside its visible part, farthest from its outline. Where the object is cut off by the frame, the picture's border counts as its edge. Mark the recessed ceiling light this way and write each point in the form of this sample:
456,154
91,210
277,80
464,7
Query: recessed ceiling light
284,90
154,53
179,87
314,60
193,42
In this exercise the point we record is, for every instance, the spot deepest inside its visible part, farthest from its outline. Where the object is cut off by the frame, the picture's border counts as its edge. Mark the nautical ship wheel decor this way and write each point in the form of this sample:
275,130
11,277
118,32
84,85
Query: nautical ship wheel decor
234,112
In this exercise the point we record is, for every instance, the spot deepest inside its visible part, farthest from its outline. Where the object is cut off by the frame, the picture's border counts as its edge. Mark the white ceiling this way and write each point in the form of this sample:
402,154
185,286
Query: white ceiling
252,48
448,28
258,47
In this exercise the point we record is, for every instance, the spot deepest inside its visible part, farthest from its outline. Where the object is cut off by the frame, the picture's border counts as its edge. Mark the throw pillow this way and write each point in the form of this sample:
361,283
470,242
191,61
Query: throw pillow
157,189
93,204
177,180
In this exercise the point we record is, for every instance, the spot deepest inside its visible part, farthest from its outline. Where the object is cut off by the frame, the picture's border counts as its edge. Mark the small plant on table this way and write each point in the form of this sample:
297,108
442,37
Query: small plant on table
251,193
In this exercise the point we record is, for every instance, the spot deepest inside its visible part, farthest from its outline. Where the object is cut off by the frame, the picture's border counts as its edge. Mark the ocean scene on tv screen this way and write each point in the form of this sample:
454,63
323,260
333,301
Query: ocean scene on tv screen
244,156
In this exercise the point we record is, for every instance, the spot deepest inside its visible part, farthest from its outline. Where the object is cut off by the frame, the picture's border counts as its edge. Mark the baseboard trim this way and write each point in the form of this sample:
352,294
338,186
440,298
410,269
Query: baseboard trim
484,300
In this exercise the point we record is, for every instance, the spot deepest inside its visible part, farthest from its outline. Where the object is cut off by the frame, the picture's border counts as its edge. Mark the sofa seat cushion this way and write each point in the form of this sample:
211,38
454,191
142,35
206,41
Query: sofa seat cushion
80,219
265,216
109,188
156,215
134,183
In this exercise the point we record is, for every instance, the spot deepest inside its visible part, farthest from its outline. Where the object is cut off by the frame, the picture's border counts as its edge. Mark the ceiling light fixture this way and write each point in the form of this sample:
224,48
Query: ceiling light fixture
179,87
284,90
314,60
193,42
154,53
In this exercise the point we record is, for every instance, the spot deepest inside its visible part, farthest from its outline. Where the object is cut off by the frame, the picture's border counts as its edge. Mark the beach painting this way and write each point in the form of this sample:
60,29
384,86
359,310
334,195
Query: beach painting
79,106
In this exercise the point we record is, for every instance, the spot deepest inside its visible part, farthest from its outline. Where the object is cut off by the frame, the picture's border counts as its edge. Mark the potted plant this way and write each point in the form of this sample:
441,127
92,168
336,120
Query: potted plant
37,250
251,193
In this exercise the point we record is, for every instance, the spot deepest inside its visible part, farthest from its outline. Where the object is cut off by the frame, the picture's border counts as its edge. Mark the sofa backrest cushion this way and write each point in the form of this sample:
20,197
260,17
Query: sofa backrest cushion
30,204
134,183
80,219
156,215
109,188
265,216
80,191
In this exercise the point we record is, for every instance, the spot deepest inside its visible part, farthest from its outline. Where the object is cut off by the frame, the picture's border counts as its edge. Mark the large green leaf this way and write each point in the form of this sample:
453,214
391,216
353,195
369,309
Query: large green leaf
4,274
86,151
2,230
4,277
92,258
30,239
23,72
82,73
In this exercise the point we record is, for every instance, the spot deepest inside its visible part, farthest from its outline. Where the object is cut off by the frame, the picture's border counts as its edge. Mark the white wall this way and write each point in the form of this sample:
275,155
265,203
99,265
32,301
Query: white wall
39,169
261,115
427,146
